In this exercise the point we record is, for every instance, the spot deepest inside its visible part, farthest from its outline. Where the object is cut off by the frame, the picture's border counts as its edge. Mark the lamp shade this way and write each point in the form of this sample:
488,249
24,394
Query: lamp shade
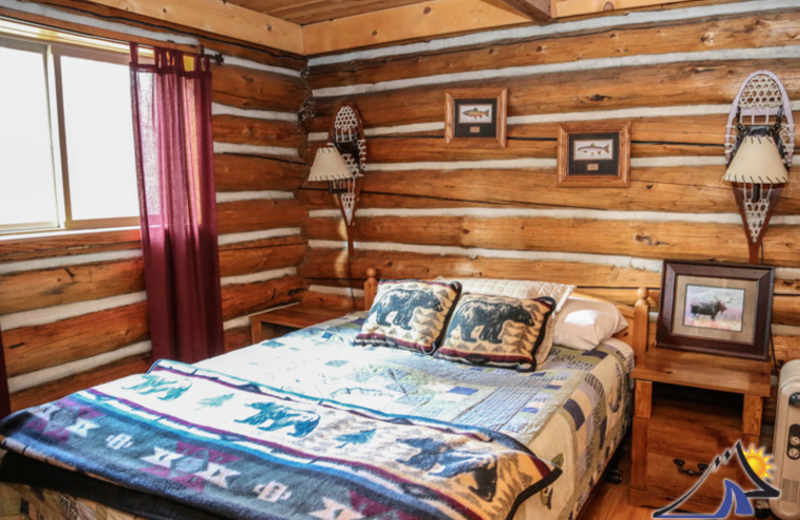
329,166
757,162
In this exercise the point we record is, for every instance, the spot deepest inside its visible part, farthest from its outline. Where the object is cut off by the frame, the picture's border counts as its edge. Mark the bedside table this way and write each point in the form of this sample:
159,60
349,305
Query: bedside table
274,324
689,408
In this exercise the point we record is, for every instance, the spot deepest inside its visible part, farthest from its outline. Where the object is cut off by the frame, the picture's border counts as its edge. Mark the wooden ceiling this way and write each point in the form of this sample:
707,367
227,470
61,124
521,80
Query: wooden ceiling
314,27
304,12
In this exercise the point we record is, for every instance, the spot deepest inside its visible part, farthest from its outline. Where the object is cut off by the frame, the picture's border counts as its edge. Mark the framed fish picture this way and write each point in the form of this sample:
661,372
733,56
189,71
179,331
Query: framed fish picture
476,117
716,308
594,155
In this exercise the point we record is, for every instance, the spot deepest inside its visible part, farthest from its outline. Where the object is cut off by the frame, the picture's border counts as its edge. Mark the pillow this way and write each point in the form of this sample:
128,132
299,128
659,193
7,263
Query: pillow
584,324
409,314
516,288
498,331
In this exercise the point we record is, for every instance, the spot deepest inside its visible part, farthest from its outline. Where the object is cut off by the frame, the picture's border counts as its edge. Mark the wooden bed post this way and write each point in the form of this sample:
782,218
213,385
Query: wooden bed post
370,288
641,322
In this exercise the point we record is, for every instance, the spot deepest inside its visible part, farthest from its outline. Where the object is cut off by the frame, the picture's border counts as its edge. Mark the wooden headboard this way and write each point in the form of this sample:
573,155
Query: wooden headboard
637,316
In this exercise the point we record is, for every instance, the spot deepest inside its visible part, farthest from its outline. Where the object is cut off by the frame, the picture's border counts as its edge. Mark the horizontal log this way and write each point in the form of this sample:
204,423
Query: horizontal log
259,132
255,173
67,244
28,349
786,310
331,264
258,89
254,215
237,338
787,347
63,387
243,299
639,239
676,84
273,253
681,189
724,32
37,289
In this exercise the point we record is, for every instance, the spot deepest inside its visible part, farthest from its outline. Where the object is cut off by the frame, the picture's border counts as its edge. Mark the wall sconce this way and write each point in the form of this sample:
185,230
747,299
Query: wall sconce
759,147
341,164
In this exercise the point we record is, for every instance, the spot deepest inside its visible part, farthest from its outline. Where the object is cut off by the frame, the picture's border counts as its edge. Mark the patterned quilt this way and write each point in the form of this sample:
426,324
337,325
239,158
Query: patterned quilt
240,449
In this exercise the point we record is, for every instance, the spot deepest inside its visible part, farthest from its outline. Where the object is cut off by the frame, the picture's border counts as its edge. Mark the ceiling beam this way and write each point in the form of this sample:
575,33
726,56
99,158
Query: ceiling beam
537,10
219,17
411,22
566,8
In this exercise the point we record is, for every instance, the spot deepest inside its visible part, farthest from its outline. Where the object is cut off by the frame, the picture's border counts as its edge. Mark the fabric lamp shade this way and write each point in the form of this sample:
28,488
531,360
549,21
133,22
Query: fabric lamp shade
757,162
329,166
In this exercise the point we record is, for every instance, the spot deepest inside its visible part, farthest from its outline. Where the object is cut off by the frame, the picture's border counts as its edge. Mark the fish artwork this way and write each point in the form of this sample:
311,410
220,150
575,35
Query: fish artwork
593,148
476,113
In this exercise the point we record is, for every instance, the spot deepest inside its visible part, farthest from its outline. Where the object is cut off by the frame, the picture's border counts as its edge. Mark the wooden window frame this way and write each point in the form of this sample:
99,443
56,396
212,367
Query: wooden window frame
52,52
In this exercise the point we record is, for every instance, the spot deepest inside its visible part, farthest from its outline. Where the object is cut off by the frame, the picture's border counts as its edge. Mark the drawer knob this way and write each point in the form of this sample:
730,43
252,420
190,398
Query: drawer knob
701,468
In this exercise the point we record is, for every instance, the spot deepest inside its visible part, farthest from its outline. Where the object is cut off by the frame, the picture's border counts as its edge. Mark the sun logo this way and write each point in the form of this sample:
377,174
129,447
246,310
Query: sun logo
758,462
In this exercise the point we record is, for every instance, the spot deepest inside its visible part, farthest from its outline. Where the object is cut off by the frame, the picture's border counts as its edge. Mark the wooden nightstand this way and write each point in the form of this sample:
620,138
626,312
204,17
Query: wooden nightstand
274,324
691,407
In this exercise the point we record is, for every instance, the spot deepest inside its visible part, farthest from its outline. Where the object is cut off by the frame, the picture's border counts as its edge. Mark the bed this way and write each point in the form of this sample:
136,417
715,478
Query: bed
570,415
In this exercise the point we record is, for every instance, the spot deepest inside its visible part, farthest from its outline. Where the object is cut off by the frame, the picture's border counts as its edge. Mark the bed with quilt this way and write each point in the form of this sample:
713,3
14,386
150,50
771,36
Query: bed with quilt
345,420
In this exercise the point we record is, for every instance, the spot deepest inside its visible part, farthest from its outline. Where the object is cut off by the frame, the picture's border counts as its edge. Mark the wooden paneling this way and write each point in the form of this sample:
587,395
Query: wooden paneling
28,349
691,83
242,299
218,17
252,215
728,32
411,22
63,387
260,132
251,88
76,283
311,11
255,173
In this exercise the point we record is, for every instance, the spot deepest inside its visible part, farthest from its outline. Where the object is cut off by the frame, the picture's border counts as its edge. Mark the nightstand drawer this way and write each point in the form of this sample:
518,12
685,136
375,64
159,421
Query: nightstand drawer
663,477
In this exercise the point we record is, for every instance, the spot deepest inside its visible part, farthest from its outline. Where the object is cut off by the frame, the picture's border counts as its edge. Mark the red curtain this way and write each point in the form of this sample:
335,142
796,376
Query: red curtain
175,163
5,400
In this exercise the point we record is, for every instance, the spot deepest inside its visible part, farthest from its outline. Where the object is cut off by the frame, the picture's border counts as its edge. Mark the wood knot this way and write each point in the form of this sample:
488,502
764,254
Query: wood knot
374,33
427,10
539,49
599,97
608,6
269,28
707,38
643,238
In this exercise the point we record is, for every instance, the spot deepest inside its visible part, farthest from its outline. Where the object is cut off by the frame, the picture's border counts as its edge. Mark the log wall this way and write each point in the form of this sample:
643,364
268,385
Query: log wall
429,208
73,307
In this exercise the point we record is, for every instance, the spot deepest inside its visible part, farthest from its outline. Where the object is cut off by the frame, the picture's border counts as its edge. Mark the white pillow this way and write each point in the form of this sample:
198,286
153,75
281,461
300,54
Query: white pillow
515,288
585,324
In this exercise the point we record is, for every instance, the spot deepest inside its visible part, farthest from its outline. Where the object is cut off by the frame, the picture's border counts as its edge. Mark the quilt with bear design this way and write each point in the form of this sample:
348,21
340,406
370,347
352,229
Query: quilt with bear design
239,449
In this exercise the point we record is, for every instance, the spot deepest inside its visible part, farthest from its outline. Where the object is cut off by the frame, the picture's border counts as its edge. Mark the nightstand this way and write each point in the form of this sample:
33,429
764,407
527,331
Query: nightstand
689,408
274,324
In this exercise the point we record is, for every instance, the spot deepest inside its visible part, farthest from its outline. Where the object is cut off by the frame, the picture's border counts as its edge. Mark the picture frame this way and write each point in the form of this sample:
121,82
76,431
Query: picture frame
594,155
715,308
476,117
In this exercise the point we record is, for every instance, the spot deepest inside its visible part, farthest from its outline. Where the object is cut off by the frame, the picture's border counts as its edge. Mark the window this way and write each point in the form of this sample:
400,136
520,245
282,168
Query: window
66,138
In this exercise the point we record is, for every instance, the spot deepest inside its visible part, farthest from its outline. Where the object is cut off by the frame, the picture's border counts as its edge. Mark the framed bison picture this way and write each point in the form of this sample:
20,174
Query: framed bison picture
476,117
594,155
716,308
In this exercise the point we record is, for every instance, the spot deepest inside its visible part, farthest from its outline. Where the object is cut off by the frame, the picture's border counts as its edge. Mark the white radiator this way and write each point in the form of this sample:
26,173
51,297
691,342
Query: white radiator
786,451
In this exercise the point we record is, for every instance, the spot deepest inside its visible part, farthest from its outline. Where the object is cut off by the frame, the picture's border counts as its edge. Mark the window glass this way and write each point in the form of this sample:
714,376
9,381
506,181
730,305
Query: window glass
27,184
99,139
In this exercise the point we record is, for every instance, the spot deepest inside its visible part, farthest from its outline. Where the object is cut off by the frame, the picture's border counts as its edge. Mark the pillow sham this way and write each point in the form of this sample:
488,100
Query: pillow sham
585,324
409,314
516,288
498,331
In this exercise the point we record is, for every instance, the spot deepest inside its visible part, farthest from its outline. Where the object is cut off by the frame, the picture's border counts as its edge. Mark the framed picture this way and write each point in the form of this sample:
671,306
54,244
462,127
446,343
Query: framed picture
715,308
594,155
477,116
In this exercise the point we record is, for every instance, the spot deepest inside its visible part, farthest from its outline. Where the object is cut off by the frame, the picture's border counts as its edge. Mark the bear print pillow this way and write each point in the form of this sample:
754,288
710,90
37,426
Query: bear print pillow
498,331
409,314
